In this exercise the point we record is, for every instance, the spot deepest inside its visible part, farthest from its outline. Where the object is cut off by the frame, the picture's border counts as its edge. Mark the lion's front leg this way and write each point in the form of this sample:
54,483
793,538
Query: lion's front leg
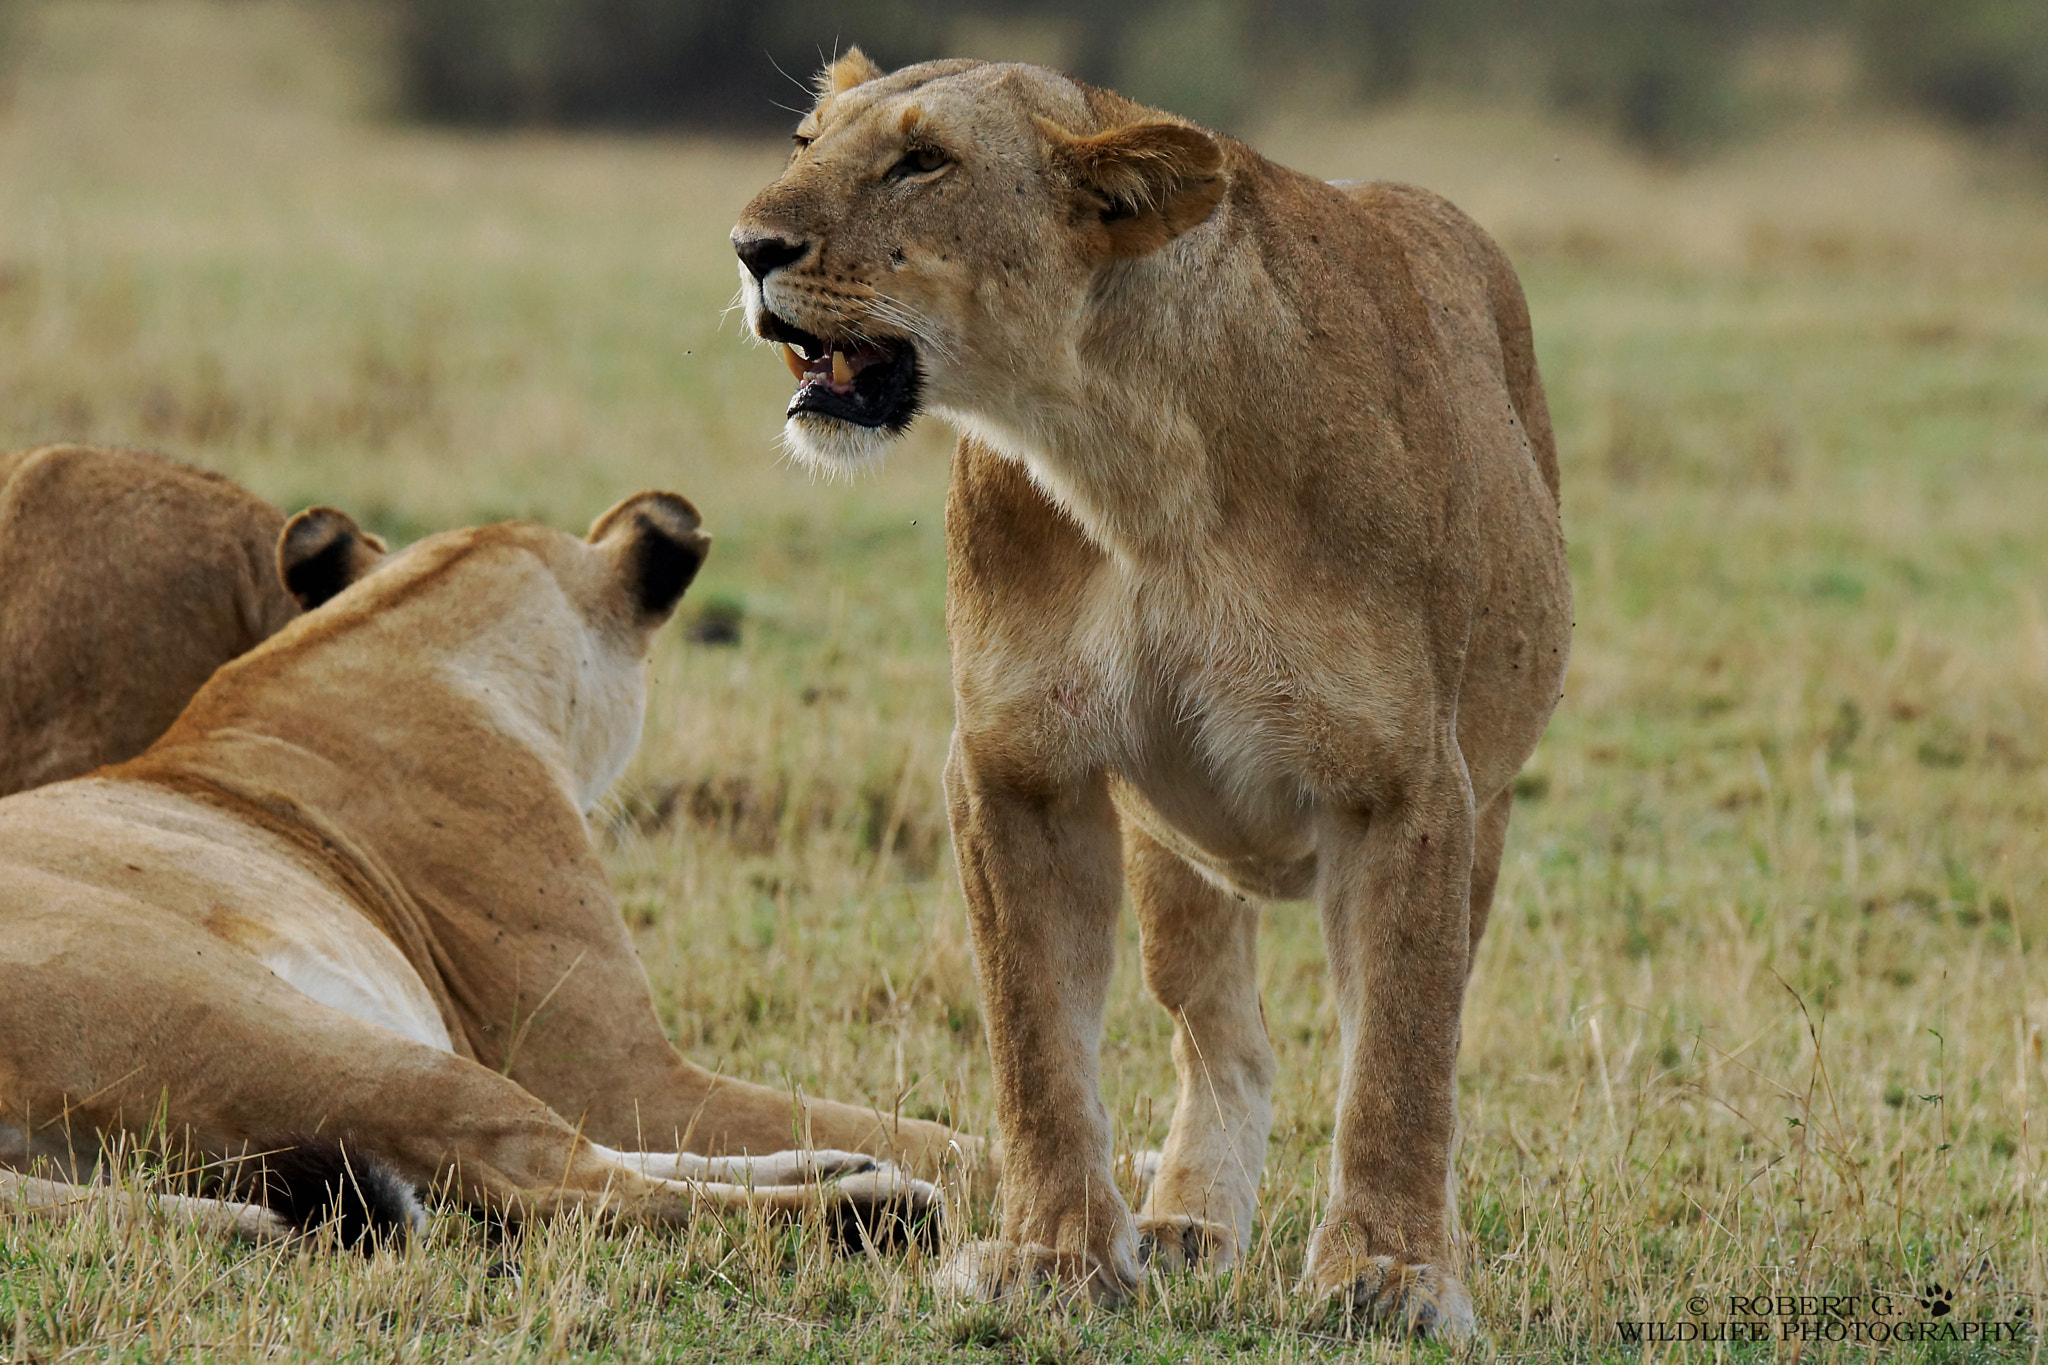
799,1166
1395,886
1041,871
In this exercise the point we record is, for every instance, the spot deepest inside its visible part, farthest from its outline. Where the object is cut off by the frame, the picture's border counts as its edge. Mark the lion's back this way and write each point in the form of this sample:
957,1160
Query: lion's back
1450,252
129,579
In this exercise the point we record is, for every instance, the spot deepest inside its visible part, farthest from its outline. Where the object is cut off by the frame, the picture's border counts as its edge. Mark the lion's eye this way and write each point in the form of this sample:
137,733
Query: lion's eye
800,140
919,161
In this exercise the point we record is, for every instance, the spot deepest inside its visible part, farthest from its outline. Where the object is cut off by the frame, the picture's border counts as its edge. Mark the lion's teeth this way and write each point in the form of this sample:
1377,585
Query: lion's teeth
796,366
842,373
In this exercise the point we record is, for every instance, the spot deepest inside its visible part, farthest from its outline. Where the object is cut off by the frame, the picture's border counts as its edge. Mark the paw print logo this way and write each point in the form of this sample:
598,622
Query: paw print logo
1939,1302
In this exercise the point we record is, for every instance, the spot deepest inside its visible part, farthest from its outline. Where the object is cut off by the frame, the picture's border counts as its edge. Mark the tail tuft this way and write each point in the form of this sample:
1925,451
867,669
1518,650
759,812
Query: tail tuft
314,1183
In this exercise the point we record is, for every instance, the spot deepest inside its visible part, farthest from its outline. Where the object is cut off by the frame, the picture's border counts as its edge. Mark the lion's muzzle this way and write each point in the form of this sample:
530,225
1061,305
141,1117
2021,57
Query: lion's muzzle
867,381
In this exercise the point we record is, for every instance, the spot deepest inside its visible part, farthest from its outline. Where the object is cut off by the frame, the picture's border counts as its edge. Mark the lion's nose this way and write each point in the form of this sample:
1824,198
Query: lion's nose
763,252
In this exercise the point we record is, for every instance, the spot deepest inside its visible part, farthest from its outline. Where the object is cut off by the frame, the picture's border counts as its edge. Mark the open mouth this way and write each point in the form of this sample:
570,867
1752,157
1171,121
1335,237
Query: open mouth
870,383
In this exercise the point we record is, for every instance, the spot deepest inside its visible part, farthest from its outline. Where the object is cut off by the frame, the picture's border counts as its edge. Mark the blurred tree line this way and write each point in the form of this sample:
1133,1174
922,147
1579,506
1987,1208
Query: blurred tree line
1665,75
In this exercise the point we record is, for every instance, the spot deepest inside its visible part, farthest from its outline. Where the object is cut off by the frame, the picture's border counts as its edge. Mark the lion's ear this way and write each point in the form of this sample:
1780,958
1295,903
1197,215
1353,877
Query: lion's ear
1146,183
322,551
855,68
655,545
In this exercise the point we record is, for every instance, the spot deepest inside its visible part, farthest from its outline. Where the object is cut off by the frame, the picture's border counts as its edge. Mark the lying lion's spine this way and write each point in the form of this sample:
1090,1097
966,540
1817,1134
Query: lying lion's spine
315,1183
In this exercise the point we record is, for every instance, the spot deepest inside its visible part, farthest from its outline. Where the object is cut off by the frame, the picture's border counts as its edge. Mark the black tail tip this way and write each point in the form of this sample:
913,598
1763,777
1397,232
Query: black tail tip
890,1227
320,1185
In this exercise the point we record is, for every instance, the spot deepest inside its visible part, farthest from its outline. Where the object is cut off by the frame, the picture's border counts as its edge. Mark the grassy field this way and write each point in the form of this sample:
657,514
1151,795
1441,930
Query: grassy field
1761,1008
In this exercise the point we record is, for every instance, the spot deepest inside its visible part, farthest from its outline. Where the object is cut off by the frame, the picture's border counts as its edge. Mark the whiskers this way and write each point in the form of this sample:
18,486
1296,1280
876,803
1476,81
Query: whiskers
739,301
869,317
910,322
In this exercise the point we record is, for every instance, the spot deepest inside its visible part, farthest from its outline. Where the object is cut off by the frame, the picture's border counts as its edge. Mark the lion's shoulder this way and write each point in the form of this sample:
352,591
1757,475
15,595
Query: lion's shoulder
1432,230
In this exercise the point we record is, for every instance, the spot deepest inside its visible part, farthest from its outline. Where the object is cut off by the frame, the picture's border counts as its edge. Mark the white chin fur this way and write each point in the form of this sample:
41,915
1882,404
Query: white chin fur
831,446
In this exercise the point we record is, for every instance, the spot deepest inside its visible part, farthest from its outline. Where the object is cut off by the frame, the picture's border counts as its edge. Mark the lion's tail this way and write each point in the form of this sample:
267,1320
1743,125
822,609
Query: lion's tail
316,1183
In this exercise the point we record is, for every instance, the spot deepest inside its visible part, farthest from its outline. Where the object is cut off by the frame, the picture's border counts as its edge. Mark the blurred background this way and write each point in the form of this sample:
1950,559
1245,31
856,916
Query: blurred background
1668,77
445,261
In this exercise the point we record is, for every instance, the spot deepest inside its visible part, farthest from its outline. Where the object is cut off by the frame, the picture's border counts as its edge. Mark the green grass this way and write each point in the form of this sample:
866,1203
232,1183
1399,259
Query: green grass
1761,1005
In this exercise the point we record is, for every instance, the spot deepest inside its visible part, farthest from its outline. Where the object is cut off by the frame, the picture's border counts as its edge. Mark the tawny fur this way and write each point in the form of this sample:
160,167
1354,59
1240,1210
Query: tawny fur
1257,589
125,580
351,894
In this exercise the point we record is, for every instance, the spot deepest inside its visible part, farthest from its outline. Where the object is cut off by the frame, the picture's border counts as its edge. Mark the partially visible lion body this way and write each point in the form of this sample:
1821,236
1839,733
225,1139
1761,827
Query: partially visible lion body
125,580
1257,588
351,893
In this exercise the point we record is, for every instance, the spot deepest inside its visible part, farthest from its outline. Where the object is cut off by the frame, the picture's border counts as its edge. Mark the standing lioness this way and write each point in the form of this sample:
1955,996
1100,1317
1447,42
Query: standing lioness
1254,543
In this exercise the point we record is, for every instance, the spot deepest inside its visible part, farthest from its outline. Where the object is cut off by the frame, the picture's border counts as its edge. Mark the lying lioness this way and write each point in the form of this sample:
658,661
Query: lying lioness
1254,553
125,580
351,895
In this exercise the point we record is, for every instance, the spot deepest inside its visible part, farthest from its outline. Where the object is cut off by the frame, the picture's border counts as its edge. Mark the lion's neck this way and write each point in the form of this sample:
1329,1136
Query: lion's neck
1134,495
1134,432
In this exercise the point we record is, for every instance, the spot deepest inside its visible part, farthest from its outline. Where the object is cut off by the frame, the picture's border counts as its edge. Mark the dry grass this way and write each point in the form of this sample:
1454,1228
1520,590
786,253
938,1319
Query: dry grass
1761,1006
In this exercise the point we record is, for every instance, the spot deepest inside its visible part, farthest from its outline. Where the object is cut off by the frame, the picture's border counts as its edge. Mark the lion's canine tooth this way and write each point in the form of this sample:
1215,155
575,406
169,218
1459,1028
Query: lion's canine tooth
842,373
796,367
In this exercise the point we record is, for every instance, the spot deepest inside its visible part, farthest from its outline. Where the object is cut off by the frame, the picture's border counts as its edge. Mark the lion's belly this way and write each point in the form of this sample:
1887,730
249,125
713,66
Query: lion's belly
1227,734
1220,785
1264,860
229,880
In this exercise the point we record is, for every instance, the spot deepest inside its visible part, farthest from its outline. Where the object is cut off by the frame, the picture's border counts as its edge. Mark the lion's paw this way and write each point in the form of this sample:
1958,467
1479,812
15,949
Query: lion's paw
826,1164
1178,1243
883,1207
983,1272
1414,1297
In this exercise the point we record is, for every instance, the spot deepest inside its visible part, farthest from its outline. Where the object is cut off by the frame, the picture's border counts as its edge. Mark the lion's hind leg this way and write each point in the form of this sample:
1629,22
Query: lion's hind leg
1200,949
227,1054
1489,842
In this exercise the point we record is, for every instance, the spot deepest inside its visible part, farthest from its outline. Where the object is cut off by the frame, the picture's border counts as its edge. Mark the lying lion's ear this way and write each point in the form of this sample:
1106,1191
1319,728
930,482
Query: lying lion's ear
1145,184
654,542
321,552
855,68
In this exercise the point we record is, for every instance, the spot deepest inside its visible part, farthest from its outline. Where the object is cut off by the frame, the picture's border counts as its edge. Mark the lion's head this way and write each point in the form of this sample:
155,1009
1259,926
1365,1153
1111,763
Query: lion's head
545,632
943,233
